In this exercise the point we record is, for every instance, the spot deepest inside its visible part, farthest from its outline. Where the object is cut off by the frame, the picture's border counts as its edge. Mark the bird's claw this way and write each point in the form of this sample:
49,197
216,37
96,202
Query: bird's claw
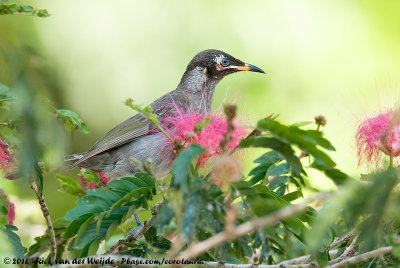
133,231
139,226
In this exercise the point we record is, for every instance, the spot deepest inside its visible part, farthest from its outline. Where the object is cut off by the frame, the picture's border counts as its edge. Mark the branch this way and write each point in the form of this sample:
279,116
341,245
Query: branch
141,232
195,249
127,260
348,252
46,214
339,241
113,260
330,249
363,257
305,259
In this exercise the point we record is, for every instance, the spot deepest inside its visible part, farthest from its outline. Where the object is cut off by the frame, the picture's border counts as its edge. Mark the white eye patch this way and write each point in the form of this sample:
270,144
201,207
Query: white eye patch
218,60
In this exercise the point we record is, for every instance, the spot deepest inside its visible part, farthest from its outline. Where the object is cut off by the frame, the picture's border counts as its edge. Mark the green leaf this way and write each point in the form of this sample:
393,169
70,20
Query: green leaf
72,121
189,216
163,218
270,157
101,211
94,201
278,170
26,8
306,140
284,149
322,258
15,241
378,193
94,246
181,165
200,126
3,204
41,242
336,175
161,243
265,161
292,196
112,196
278,182
69,185
5,93
122,185
75,213
111,229
39,178
74,226
14,9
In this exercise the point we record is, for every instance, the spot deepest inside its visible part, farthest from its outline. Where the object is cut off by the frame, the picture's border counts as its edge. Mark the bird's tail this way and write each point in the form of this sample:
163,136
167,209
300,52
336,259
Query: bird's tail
71,159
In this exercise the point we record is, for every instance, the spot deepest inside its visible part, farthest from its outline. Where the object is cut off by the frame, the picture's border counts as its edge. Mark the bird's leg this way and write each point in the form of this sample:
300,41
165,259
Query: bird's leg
139,226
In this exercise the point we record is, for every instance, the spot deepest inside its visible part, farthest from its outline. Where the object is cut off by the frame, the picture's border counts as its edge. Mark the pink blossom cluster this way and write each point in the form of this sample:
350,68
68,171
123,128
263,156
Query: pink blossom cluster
91,185
376,135
181,126
11,209
6,157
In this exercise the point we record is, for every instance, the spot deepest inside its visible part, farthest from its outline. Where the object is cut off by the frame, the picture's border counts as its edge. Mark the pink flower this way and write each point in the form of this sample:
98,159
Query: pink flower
378,134
6,157
11,209
90,184
181,126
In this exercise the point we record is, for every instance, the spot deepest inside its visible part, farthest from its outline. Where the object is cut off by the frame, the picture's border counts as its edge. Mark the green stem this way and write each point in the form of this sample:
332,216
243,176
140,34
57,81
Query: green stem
7,99
390,161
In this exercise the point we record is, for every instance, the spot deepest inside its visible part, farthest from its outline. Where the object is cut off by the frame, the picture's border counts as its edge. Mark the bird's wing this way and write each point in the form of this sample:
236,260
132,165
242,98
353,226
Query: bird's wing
125,132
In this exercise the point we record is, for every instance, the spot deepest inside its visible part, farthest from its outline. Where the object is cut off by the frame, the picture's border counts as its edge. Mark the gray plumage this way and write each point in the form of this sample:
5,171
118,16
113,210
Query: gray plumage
118,152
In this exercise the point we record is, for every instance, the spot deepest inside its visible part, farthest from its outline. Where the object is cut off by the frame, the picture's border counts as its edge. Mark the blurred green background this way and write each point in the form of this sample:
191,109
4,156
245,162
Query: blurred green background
340,59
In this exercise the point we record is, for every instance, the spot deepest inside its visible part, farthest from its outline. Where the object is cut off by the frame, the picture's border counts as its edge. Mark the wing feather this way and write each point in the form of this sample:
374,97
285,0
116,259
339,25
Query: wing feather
125,132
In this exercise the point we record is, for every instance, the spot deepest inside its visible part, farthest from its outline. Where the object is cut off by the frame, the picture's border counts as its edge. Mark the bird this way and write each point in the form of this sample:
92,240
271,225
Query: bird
118,153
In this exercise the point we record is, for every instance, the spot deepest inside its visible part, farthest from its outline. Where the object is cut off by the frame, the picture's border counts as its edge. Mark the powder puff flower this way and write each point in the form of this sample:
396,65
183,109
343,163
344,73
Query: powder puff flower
11,209
181,125
6,157
378,134
88,180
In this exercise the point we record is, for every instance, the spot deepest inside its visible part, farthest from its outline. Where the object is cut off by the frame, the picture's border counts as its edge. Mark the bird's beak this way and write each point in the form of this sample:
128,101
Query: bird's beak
249,67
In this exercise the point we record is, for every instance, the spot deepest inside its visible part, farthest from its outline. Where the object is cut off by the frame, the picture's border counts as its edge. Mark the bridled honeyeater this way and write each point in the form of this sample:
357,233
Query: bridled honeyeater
135,138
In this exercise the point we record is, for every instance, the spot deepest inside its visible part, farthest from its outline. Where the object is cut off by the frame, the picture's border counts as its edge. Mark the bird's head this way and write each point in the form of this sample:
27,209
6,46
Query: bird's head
217,64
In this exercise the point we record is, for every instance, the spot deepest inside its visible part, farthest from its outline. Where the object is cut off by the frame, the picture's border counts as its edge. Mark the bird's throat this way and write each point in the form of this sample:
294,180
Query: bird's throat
198,88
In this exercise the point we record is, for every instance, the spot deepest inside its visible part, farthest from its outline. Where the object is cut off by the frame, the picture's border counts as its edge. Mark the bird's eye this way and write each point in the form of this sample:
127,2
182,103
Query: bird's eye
225,62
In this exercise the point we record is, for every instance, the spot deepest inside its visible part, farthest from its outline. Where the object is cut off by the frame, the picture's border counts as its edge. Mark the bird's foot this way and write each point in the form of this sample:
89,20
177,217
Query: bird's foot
139,226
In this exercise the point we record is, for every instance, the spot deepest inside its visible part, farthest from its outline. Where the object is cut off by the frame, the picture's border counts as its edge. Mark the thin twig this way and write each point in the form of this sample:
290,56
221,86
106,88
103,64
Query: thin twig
37,254
230,112
341,240
46,214
349,252
363,257
306,259
140,232
195,249
7,99
330,249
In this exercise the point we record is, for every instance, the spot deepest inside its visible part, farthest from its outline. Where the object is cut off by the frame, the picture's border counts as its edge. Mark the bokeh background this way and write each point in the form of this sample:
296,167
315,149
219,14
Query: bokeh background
337,58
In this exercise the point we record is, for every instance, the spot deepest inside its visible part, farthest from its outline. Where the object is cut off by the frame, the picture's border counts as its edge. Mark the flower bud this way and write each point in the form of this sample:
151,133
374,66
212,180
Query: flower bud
226,169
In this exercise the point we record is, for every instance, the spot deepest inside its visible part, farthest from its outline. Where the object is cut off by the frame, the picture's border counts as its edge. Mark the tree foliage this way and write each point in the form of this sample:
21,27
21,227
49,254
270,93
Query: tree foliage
190,205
